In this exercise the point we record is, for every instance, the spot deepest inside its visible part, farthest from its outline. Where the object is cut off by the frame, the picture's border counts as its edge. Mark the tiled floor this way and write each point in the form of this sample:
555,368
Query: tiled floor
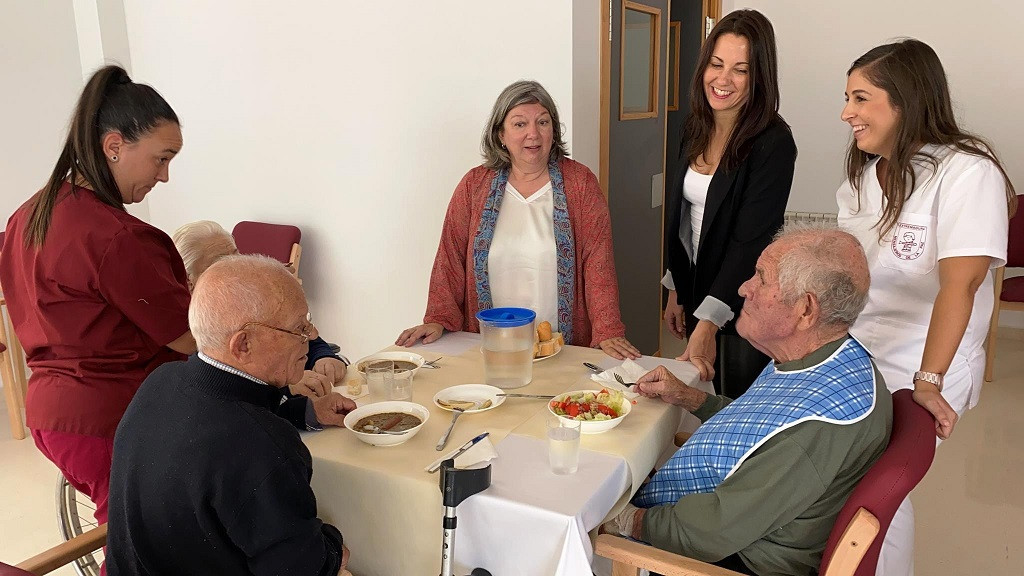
970,507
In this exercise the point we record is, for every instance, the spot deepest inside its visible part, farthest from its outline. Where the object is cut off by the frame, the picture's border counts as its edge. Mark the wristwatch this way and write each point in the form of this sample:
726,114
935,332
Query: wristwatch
929,377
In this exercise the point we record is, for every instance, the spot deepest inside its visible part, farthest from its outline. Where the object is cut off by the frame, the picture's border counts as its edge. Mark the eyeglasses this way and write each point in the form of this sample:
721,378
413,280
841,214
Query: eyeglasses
305,333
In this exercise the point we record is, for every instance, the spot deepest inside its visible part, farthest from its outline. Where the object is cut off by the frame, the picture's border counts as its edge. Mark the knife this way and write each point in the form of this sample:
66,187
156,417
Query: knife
541,396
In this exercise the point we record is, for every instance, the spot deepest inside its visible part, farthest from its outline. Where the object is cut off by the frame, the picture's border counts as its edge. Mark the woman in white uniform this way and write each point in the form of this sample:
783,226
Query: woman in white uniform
931,205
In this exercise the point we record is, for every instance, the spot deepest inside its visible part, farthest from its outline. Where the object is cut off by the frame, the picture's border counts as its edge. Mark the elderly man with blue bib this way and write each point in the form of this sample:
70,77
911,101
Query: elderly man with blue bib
758,486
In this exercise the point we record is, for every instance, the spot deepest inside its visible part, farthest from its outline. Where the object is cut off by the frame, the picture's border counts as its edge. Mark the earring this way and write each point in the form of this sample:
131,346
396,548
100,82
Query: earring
113,158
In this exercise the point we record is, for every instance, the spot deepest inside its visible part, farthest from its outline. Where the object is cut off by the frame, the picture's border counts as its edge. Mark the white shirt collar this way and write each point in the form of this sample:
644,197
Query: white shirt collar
230,369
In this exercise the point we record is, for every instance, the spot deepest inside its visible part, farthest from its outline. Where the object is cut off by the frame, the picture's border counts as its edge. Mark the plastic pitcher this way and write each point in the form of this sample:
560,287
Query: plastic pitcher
508,335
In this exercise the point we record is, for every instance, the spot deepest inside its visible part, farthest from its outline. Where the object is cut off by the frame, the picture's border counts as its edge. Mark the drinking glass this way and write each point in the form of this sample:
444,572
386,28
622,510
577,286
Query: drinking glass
380,379
402,388
563,445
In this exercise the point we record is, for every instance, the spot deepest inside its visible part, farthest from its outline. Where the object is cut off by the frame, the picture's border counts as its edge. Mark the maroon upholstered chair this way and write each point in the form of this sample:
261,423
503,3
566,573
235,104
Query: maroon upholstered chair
60,555
1009,291
856,538
279,241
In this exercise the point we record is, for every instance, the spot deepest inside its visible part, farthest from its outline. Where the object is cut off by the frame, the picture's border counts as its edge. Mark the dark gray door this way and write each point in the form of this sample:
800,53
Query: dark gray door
636,162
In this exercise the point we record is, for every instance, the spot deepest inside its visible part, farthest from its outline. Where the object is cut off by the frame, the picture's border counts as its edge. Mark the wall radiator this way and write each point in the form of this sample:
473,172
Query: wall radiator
810,217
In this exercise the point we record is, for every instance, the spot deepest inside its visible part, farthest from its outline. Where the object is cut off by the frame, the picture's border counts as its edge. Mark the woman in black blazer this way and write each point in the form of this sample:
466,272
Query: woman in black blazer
729,197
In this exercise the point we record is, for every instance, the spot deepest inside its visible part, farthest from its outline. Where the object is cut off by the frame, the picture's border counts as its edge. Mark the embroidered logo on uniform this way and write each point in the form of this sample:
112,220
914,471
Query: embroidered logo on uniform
908,241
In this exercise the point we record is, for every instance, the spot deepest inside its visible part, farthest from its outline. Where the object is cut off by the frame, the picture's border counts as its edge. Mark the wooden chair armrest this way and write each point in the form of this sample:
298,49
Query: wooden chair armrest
681,438
853,544
625,554
66,552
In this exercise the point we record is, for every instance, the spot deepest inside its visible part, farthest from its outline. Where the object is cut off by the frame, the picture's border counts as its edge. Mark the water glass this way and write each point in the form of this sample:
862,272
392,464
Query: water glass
380,379
563,445
402,388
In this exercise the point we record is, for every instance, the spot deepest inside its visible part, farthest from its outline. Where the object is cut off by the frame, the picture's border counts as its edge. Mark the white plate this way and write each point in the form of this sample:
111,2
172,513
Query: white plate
471,393
549,356
392,355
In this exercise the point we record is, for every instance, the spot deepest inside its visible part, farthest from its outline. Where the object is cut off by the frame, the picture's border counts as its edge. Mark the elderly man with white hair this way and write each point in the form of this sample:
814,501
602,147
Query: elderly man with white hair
758,486
202,243
206,478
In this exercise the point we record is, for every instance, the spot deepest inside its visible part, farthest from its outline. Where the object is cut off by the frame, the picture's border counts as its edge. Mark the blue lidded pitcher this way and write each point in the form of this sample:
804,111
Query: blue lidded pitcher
508,336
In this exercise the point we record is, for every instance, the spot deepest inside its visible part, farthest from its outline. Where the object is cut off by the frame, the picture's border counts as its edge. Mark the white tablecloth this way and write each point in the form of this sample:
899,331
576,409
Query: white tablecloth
532,521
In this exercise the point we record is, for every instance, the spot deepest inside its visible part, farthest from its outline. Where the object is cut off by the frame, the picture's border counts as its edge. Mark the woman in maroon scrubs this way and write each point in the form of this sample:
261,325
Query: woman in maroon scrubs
98,297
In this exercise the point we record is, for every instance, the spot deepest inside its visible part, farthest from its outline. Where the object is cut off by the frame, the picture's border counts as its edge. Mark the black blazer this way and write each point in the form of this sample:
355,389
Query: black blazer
745,208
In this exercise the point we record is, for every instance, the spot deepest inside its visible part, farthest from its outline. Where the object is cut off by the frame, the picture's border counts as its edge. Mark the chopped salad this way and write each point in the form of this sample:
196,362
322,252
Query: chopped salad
603,405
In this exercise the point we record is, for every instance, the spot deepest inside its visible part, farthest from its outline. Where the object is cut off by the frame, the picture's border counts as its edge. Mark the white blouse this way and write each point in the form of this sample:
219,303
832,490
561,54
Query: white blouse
522,264
695,190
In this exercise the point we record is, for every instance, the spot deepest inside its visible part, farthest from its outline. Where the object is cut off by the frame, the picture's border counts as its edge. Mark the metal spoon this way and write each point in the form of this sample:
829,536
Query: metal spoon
432,364
378,430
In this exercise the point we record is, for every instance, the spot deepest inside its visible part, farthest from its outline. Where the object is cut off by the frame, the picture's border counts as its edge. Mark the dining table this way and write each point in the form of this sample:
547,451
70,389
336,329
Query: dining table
530,521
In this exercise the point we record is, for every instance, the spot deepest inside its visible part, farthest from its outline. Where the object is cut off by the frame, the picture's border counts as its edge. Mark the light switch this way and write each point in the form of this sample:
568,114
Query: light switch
657,189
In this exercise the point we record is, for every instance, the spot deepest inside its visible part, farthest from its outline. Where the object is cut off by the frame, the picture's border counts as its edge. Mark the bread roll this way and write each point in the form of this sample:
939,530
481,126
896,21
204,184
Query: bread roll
547,348
544,331
558,338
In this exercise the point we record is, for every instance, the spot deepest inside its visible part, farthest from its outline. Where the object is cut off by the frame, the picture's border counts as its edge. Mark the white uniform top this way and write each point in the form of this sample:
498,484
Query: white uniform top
522,265
957,210
695,190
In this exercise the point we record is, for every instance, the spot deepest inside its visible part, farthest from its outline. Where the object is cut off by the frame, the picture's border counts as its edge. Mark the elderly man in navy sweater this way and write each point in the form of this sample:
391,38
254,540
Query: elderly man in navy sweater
206,479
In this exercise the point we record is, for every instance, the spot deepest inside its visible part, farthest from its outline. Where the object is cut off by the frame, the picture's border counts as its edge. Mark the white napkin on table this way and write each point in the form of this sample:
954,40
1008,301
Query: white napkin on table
482,451
628,370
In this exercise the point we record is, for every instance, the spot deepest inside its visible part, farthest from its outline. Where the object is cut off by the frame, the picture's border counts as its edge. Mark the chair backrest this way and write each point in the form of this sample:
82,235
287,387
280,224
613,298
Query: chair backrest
274,240
904,463
1015,242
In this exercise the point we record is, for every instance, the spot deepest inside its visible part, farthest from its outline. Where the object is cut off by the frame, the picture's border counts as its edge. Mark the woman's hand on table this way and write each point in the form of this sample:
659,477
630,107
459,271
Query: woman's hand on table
331,409
428,332
619,348
332,368
929,397
701,349
312,385
675,319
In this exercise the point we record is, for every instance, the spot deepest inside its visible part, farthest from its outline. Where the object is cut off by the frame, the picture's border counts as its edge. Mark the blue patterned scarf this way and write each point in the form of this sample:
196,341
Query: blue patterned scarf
564,246
839,390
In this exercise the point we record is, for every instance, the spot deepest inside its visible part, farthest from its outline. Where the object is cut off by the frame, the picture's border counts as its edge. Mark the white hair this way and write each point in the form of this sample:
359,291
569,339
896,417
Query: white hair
196,241
826,262
220,306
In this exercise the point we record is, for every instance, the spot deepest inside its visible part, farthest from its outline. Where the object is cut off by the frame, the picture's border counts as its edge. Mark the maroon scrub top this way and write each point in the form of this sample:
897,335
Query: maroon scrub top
94,308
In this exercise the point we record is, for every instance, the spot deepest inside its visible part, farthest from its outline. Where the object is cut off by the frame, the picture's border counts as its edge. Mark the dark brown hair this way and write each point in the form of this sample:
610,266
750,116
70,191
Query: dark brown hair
761,109
910,72
110,102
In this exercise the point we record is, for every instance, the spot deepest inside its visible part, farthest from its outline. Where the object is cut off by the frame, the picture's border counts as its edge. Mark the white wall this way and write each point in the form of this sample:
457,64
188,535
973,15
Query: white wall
352,120
978,42
41,77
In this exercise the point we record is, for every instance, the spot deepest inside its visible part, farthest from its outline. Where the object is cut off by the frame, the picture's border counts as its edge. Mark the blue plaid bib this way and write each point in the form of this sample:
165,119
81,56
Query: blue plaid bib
839,390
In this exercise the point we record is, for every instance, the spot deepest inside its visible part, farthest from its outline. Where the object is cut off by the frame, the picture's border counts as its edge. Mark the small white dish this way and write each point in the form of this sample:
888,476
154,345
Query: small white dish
470,393
557,352
391,355
353,417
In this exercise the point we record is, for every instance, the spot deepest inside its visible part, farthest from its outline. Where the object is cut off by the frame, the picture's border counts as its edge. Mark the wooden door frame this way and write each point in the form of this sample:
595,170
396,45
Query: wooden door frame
710,9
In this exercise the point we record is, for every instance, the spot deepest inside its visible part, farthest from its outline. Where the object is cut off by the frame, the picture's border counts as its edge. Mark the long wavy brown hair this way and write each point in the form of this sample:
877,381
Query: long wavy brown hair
109,102
762,106
910,72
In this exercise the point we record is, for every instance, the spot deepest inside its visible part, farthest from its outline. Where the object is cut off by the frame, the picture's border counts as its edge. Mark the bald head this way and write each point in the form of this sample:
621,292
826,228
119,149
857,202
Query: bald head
827,262
240,289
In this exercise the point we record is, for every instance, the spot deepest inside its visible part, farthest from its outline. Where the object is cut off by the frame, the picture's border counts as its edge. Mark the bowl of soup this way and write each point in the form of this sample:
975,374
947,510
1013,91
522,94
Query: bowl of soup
403,361
376,423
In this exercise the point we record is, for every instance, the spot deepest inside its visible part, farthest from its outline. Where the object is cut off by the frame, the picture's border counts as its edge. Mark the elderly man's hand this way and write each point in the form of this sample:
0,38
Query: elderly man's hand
628,523
331,409
428,332
660,383
344,561
928,396
332,368
312,385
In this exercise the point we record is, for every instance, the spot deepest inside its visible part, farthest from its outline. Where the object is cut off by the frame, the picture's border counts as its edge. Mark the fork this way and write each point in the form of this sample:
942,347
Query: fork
621,381
432,364
456,412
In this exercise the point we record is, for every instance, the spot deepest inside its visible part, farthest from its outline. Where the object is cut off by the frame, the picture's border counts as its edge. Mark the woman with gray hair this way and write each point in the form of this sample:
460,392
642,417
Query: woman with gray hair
529,228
